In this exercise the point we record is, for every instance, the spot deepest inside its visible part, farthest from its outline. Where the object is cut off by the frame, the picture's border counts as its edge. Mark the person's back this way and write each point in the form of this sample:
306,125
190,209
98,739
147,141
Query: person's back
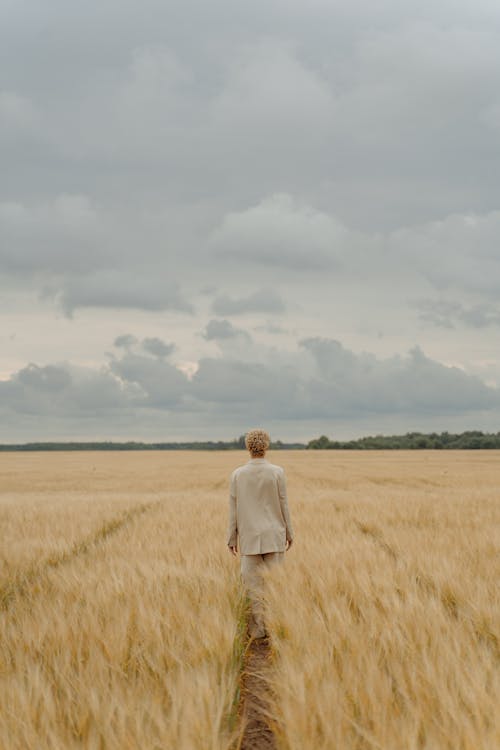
259,518
262,516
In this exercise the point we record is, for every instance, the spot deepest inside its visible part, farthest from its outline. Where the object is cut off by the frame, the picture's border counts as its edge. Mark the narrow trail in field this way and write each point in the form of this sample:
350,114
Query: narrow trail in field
23,583
254,697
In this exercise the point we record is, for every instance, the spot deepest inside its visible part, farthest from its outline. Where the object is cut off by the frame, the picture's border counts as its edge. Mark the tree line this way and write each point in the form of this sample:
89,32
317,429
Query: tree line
471,439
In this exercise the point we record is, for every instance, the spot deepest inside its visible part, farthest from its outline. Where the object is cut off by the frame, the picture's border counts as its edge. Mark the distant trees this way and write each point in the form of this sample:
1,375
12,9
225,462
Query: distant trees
208,445
470,440
320,443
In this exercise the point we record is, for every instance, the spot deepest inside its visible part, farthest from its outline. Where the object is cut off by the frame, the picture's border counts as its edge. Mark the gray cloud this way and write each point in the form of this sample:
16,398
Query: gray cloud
261,301
60,234
336,157
322,381
280,232
413,384
222,329
62,391
49,379
458,252
152,345
271,327
450,314
339,103
161,384
157,347
125,341
115,289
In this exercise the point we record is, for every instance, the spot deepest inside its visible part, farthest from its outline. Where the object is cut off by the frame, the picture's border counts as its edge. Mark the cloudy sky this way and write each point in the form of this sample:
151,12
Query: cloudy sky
219,215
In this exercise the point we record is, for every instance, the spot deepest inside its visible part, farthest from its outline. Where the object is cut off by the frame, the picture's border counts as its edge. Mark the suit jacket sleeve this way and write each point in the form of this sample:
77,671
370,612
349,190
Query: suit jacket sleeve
284,504
232,528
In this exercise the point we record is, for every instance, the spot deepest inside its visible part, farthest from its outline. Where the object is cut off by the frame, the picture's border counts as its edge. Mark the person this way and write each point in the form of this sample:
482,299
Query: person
259,518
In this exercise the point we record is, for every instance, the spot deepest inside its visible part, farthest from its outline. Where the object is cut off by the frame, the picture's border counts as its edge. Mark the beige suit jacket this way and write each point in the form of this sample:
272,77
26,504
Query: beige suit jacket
258,508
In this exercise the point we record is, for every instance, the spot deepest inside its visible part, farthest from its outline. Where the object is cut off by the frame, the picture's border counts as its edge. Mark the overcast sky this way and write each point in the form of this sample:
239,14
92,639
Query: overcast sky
221,215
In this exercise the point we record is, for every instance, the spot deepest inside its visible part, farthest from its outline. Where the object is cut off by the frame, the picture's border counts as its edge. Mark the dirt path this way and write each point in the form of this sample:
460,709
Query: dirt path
257,735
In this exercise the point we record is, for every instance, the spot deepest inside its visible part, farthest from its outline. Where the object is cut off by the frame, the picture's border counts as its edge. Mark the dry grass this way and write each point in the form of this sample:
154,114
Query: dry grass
388,636
128,642
120,604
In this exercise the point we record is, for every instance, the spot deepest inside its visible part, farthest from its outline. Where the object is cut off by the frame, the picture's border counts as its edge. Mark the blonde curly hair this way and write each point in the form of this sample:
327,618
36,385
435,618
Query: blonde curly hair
257,442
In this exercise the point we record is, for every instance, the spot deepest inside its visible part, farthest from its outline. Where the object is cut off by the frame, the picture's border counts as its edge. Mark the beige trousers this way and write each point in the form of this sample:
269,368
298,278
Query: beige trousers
251,569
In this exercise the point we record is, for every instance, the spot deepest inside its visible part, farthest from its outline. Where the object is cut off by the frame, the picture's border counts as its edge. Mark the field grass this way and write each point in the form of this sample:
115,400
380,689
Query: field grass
119,602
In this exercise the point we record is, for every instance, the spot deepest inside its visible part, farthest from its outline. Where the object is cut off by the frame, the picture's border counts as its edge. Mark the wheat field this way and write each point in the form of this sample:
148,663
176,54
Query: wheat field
121,608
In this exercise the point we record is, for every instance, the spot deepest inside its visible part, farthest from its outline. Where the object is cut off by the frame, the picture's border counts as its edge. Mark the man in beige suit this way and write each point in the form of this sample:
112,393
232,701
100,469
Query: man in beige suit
259,516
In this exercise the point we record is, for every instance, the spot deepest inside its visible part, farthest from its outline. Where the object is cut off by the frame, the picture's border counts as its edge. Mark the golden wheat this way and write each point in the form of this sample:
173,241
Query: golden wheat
128,642
388,636
120,602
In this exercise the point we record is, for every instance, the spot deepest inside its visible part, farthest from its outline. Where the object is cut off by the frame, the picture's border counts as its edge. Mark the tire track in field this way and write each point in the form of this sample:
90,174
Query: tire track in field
451,603
19,586
377,536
